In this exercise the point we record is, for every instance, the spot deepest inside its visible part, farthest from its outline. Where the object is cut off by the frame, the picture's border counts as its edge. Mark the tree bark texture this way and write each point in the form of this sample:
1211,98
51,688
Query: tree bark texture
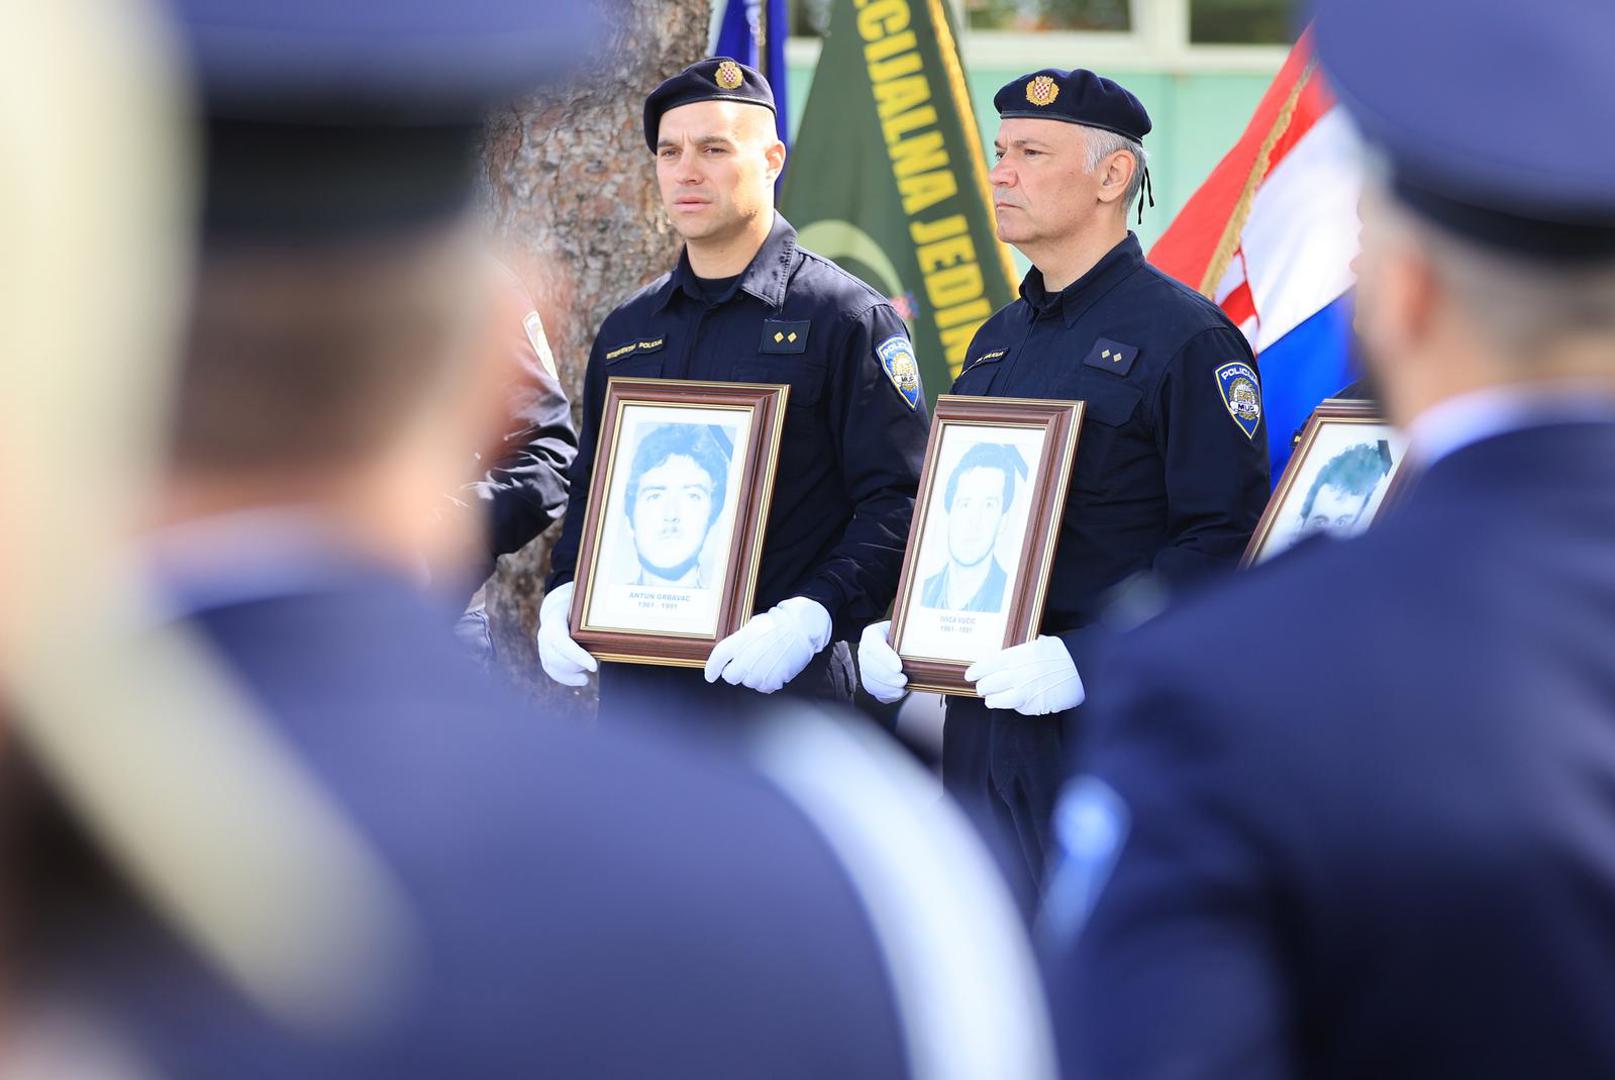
571,193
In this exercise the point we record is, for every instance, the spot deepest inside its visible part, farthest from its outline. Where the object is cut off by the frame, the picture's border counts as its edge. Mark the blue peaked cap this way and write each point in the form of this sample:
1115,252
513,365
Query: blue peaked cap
1493,114
325,120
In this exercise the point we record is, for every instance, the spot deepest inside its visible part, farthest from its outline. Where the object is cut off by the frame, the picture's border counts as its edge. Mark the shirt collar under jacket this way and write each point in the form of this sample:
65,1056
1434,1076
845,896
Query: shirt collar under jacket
765,277
1077,297
1449,426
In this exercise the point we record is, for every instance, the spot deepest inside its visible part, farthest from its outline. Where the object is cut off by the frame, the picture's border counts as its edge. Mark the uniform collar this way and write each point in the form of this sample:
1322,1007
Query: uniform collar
1077,297
765,277
1452,425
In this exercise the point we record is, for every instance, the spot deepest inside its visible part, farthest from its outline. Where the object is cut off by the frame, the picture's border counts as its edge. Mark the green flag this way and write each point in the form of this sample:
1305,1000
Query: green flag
888,177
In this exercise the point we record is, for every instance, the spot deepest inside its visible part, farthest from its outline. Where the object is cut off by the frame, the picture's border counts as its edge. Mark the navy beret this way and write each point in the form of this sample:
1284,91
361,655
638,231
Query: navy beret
1076,97
328,121
1487,112
717,78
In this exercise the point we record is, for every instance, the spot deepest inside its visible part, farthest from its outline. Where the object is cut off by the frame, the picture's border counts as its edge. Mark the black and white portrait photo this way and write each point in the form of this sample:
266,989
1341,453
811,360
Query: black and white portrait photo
971,539
1334,483
977,501
668,519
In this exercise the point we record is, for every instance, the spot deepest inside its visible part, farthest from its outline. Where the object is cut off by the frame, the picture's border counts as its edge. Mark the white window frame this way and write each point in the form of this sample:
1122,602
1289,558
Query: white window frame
1158,42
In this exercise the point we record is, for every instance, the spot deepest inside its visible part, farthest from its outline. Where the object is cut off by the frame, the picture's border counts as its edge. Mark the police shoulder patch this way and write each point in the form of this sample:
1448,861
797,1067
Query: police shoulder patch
1091,823
541,345
896,357
1242,394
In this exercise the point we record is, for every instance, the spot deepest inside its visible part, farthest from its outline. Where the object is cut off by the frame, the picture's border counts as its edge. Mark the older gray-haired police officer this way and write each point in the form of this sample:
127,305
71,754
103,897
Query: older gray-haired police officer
1171,471
746,304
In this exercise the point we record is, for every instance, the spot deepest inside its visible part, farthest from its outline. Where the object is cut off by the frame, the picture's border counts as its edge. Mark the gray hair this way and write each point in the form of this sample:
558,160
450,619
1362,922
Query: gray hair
1529,306
1101,144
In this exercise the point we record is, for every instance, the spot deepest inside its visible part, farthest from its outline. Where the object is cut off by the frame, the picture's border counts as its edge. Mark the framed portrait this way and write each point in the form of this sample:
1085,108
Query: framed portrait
981,544
1342,472
683,476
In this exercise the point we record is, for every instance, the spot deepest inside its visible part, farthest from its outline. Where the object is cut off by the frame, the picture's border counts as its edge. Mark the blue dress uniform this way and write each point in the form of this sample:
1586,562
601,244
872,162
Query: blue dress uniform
1351,815
854,437
1170,479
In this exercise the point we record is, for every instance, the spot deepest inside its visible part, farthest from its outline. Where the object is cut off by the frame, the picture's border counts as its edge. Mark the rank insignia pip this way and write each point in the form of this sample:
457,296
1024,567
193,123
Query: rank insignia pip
897,358
1242,394
1112,356
780,336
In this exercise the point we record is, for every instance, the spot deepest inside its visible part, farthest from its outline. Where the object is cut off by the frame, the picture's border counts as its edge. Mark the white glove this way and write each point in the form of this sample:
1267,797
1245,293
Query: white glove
563,659
879,667
772,648
1036,678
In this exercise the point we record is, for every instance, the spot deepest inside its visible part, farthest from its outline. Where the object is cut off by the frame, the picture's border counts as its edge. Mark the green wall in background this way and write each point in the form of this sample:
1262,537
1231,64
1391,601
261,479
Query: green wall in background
1197,117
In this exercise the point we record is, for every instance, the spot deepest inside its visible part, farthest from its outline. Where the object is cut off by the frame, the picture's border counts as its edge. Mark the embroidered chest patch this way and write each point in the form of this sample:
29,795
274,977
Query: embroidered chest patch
1112,356
780,336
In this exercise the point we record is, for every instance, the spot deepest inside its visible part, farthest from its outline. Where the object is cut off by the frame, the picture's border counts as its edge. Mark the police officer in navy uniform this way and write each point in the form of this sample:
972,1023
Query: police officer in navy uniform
523,490
568,901
747,304
1351,815
1171,472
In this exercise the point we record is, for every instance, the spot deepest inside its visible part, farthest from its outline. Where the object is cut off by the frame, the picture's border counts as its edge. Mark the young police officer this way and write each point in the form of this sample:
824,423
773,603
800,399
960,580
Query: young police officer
1171,470
746,304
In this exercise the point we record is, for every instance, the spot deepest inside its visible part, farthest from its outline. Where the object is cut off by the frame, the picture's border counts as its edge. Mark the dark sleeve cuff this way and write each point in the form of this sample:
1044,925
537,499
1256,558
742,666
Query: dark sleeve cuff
829,596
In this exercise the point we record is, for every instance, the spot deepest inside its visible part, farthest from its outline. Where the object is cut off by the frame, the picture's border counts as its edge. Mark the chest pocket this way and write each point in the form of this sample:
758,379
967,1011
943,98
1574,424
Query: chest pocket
639,358
1109,412
805,375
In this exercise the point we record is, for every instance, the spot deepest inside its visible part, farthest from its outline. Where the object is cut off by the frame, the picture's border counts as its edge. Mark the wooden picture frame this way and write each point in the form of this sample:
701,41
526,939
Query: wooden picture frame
981,544
673,531
1346,440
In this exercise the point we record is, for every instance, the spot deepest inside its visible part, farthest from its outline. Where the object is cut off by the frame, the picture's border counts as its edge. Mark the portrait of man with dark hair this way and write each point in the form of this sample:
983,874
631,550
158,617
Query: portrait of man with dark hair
976,501
677,486
1343,488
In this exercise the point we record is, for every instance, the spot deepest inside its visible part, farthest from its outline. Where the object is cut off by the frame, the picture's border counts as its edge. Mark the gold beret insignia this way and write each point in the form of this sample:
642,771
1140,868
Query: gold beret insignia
729,75
1042,91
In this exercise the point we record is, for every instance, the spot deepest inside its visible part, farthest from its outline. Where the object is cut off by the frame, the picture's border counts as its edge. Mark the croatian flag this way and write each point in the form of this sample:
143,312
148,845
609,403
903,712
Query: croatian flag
1270,237
754,32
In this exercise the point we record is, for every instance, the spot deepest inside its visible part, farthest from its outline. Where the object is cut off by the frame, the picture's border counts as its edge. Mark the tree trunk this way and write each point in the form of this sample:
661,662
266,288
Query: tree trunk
572,195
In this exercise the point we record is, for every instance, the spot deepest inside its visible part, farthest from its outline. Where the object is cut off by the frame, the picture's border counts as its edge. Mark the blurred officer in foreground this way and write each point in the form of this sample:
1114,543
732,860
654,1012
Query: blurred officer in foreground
572,903
1352,815
524,492
1171,470
746,304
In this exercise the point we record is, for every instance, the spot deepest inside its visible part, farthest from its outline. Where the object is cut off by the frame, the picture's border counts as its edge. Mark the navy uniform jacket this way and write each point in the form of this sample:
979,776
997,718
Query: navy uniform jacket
1167,479
589,904
853,443
1357,813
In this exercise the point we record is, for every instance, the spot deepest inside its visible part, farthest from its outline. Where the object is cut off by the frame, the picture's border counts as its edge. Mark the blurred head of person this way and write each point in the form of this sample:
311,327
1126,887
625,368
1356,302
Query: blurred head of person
1342,489
977,500
1487,260
340,355
1070,165
1441,314
676,490
712,131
